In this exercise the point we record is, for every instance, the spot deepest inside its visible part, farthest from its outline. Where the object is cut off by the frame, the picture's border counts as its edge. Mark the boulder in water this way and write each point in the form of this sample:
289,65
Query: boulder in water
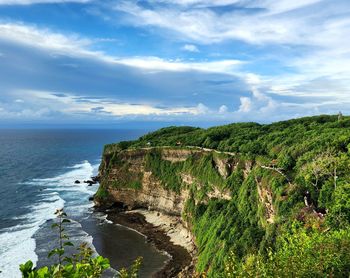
90,182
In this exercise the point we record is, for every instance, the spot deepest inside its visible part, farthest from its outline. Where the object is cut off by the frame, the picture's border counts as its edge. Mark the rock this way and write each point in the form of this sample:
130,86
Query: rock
95,179
77,181
90,182
91,198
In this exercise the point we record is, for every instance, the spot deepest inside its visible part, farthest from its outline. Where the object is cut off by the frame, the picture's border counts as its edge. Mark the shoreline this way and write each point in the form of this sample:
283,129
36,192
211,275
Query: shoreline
165,232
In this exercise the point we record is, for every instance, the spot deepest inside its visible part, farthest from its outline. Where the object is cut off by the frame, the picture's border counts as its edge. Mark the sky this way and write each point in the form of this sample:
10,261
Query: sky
107,63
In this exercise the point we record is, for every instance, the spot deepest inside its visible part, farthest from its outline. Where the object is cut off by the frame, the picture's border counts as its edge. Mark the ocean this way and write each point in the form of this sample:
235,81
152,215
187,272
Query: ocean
37,173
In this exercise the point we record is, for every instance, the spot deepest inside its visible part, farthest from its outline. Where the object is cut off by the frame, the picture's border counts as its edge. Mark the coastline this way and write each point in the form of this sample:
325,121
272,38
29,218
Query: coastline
165,232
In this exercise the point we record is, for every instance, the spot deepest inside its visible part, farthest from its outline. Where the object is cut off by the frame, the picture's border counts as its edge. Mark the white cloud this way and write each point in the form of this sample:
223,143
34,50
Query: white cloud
30,2
319,71
201,109
320,28
223,109
190,48
76,46
205,26
252,79
45,39
258,103
280,6
331,64
155,63
270,106
246,104
70,104
198,3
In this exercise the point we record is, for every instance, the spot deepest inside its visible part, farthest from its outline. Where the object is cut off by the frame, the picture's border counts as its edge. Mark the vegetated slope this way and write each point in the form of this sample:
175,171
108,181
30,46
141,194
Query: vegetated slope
278,207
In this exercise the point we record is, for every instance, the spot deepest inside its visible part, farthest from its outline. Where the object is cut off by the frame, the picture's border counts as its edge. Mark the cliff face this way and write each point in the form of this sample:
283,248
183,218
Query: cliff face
217,196
151,195
121,170
244,189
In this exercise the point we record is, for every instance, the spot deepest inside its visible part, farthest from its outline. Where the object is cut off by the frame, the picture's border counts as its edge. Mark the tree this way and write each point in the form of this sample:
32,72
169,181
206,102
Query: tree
325,165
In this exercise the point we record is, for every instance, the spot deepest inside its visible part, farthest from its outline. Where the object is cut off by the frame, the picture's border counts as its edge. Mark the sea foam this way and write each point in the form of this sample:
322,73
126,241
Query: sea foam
17,244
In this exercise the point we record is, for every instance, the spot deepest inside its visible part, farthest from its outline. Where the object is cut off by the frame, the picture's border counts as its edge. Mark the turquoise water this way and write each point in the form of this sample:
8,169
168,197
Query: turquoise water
37,172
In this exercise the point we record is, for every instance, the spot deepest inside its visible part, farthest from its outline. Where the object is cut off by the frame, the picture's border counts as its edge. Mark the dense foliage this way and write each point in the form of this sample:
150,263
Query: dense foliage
286,140
289,208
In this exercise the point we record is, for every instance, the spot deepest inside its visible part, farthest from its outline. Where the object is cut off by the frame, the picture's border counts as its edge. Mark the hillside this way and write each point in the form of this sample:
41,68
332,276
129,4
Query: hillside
260,200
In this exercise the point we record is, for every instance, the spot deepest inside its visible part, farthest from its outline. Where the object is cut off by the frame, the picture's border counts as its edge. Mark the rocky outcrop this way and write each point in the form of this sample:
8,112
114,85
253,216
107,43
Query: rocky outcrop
223,166
219,194
265,197
151,195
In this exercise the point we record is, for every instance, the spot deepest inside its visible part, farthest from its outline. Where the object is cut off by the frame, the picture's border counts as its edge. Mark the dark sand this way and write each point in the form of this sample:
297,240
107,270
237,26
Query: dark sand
180,258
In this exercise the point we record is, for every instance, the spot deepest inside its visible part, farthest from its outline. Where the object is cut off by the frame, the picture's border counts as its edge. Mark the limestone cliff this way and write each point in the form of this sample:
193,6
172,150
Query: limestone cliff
131,180
193,185
128,180
242,189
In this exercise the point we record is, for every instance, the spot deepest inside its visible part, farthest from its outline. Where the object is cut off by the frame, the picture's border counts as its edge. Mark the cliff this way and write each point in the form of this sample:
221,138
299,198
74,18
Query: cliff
175,181
128,178
254,197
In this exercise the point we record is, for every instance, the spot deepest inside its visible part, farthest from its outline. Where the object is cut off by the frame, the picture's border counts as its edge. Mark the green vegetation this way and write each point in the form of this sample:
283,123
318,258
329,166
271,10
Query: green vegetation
300,253
80,265
284,140
288,214
102,193
164,170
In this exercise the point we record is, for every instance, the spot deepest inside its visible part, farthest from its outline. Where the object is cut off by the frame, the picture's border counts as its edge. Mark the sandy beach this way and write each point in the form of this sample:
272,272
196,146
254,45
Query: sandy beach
167,233
171,226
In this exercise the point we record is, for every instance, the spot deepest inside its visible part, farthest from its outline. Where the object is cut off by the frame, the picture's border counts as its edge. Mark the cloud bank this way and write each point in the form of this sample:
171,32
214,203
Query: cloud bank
183,61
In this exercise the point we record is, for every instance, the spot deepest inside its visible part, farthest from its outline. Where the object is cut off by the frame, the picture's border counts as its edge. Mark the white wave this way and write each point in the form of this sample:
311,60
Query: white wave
103,217
79,210
82,236
16,248
17,244
66,181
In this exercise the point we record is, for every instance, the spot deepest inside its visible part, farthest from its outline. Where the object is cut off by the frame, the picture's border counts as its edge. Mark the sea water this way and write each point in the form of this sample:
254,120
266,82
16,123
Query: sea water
38,169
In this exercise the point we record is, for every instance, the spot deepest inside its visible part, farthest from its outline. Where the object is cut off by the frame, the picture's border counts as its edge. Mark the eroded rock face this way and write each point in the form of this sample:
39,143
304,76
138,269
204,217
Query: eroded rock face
265,196
219,194
152,195
177,155
223,167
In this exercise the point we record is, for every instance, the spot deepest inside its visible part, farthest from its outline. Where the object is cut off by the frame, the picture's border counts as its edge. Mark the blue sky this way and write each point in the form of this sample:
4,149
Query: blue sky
158,62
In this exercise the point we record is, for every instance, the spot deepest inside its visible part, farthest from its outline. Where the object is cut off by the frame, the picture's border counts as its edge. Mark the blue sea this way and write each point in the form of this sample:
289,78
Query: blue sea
37,173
